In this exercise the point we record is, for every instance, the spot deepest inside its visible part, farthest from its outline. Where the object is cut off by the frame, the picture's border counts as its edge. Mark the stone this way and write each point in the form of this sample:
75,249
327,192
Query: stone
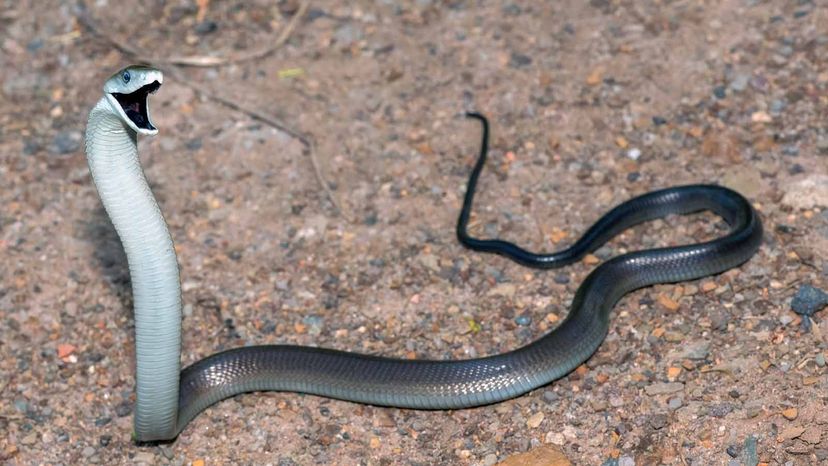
812,435
506,290
625,460
675,403
790,433
535,420
694,350
519,60
30,439
808,300
790,413
740,82
664,388
746,181
66,142
144,457
807,193
544,455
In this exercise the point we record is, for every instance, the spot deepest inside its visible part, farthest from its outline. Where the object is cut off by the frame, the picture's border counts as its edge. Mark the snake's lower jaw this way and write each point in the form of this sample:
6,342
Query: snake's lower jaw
133,108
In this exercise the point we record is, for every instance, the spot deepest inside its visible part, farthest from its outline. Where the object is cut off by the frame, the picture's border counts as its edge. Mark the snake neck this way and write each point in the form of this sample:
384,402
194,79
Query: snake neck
112,154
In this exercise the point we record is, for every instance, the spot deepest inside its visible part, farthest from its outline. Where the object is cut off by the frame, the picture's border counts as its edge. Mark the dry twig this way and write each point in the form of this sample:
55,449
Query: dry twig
206,61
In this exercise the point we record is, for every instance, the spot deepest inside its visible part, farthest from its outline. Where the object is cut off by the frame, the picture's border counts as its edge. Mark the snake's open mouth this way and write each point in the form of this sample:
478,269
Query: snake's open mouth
135,106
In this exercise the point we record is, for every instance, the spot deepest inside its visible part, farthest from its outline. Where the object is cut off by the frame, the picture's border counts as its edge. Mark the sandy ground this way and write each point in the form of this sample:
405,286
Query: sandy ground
590,102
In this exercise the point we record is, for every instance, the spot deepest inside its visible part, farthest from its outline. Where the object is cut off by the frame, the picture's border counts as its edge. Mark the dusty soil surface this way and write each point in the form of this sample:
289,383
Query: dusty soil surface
590,102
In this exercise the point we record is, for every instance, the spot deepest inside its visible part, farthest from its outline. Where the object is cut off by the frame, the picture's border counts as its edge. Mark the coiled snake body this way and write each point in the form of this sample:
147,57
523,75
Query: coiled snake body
168,398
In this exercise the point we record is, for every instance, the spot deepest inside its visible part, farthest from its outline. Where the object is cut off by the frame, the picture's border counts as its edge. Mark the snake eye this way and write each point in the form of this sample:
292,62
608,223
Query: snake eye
126,77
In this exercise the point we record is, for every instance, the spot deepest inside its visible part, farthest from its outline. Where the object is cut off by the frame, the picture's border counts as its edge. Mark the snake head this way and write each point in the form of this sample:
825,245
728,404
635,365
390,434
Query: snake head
127,92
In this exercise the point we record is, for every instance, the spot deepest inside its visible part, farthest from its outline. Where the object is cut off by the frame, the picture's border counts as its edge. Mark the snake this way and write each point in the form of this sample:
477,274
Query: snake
168,398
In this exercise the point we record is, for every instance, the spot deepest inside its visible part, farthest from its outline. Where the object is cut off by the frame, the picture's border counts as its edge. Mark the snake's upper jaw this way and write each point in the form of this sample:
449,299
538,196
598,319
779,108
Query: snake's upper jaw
134,107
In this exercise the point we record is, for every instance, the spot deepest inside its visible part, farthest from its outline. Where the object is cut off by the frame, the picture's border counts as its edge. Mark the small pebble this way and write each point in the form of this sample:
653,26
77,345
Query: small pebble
740,82
674,403
550,396
720,92
561,278
167,452
790,413
65,349
659,421
760,117
144,457
626,461
634,153
382,418
812,435
123,409
822,143
535,420
87,452
790,150
790,433
808,300
523,320
664,388
66,142
542,455
519,60
668,303
777,106
719,320
193,144
751,457
21,405
598,405
314,323
206,27
604,253
511,9
721,409
555,437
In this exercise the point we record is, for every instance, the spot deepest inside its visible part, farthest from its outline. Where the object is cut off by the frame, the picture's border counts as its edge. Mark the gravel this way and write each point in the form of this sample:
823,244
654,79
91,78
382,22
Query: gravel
630,98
